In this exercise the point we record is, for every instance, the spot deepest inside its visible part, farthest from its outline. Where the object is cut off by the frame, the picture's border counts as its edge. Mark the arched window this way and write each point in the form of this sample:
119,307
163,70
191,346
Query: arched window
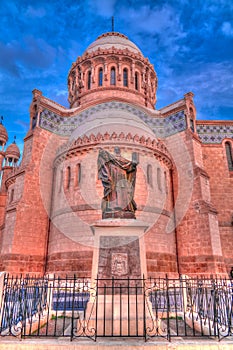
34,118
165,182
149,175
100,82
68,177
229,155
77,174
61,180
125,77
136,81
191,113
34,121
12,195
89,80
113,76
159,179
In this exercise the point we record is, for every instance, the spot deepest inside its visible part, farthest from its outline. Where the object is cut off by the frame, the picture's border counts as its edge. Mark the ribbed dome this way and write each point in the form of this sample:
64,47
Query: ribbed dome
108,40
12,151
3,134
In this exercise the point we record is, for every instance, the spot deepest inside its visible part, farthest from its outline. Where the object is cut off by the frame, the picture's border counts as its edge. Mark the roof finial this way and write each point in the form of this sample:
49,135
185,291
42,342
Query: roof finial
14,139
112,23
1,119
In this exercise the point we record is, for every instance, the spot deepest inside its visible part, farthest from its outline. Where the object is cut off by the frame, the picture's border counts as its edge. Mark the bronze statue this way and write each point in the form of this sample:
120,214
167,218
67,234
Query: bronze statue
118,176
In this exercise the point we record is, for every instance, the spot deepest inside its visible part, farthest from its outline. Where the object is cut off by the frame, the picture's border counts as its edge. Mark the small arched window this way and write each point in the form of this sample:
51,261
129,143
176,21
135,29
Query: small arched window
136,81
149,175
34,118
12,195
191,113
61,181
125,77
89,80
34,121
159,179
113,76
229,155
77,174
165,182
68,177
100,80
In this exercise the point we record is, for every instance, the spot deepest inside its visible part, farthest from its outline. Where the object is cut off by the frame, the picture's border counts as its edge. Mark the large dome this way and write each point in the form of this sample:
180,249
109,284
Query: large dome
108,40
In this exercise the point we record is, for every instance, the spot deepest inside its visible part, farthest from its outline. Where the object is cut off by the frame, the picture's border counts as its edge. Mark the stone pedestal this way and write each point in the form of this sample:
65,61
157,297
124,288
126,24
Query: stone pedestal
119,249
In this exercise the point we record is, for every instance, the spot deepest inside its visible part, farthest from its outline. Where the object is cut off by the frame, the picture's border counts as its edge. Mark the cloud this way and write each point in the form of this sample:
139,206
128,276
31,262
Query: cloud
29,54
155,28
24,125
103,8
155,20
227,29
210,82
35,12
190,44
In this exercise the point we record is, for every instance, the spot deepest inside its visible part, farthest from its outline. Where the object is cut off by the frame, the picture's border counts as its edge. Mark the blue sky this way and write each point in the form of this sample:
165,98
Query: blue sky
190,44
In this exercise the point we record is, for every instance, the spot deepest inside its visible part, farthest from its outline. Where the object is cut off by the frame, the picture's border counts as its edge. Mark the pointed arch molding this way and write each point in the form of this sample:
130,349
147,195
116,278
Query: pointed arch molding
85,143
64,126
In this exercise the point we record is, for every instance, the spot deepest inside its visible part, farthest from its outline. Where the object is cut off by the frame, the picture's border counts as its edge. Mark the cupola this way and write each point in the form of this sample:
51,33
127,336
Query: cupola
12,154
3,136
112,67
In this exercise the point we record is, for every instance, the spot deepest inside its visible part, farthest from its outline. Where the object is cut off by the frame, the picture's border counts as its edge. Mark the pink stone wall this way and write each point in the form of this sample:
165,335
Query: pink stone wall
221,187
198,238
28,223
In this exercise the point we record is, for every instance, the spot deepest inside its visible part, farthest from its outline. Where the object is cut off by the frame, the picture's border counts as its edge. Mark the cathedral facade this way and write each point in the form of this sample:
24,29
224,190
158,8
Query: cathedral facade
51,204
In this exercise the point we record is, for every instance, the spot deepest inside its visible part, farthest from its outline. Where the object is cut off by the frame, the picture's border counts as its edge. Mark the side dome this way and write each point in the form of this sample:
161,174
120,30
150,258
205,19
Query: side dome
112,67
3,135
13,152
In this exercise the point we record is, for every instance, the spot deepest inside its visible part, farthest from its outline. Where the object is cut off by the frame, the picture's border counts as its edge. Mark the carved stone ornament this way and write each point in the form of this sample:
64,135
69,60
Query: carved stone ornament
119,264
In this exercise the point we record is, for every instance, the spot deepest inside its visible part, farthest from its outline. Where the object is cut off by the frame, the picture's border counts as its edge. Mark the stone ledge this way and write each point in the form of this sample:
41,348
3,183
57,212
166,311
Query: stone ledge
115,344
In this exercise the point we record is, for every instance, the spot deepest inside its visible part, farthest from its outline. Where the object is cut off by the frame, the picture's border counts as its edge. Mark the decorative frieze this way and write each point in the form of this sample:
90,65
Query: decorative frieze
64,126
211,133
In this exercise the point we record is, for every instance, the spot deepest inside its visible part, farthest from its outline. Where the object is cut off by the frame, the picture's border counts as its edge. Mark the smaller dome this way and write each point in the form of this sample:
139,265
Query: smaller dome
3,134
12,151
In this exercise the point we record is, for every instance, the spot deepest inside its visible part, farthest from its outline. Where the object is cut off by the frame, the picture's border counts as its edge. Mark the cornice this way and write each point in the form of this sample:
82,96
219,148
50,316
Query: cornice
112,51
214,122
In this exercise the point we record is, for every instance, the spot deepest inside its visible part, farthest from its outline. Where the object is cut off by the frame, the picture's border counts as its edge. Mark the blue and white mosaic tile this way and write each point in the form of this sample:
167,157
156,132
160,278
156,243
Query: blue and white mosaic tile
214,133
64,126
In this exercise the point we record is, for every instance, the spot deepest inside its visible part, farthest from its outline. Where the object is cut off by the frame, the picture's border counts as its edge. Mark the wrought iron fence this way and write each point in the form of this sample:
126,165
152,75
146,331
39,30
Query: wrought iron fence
79,307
